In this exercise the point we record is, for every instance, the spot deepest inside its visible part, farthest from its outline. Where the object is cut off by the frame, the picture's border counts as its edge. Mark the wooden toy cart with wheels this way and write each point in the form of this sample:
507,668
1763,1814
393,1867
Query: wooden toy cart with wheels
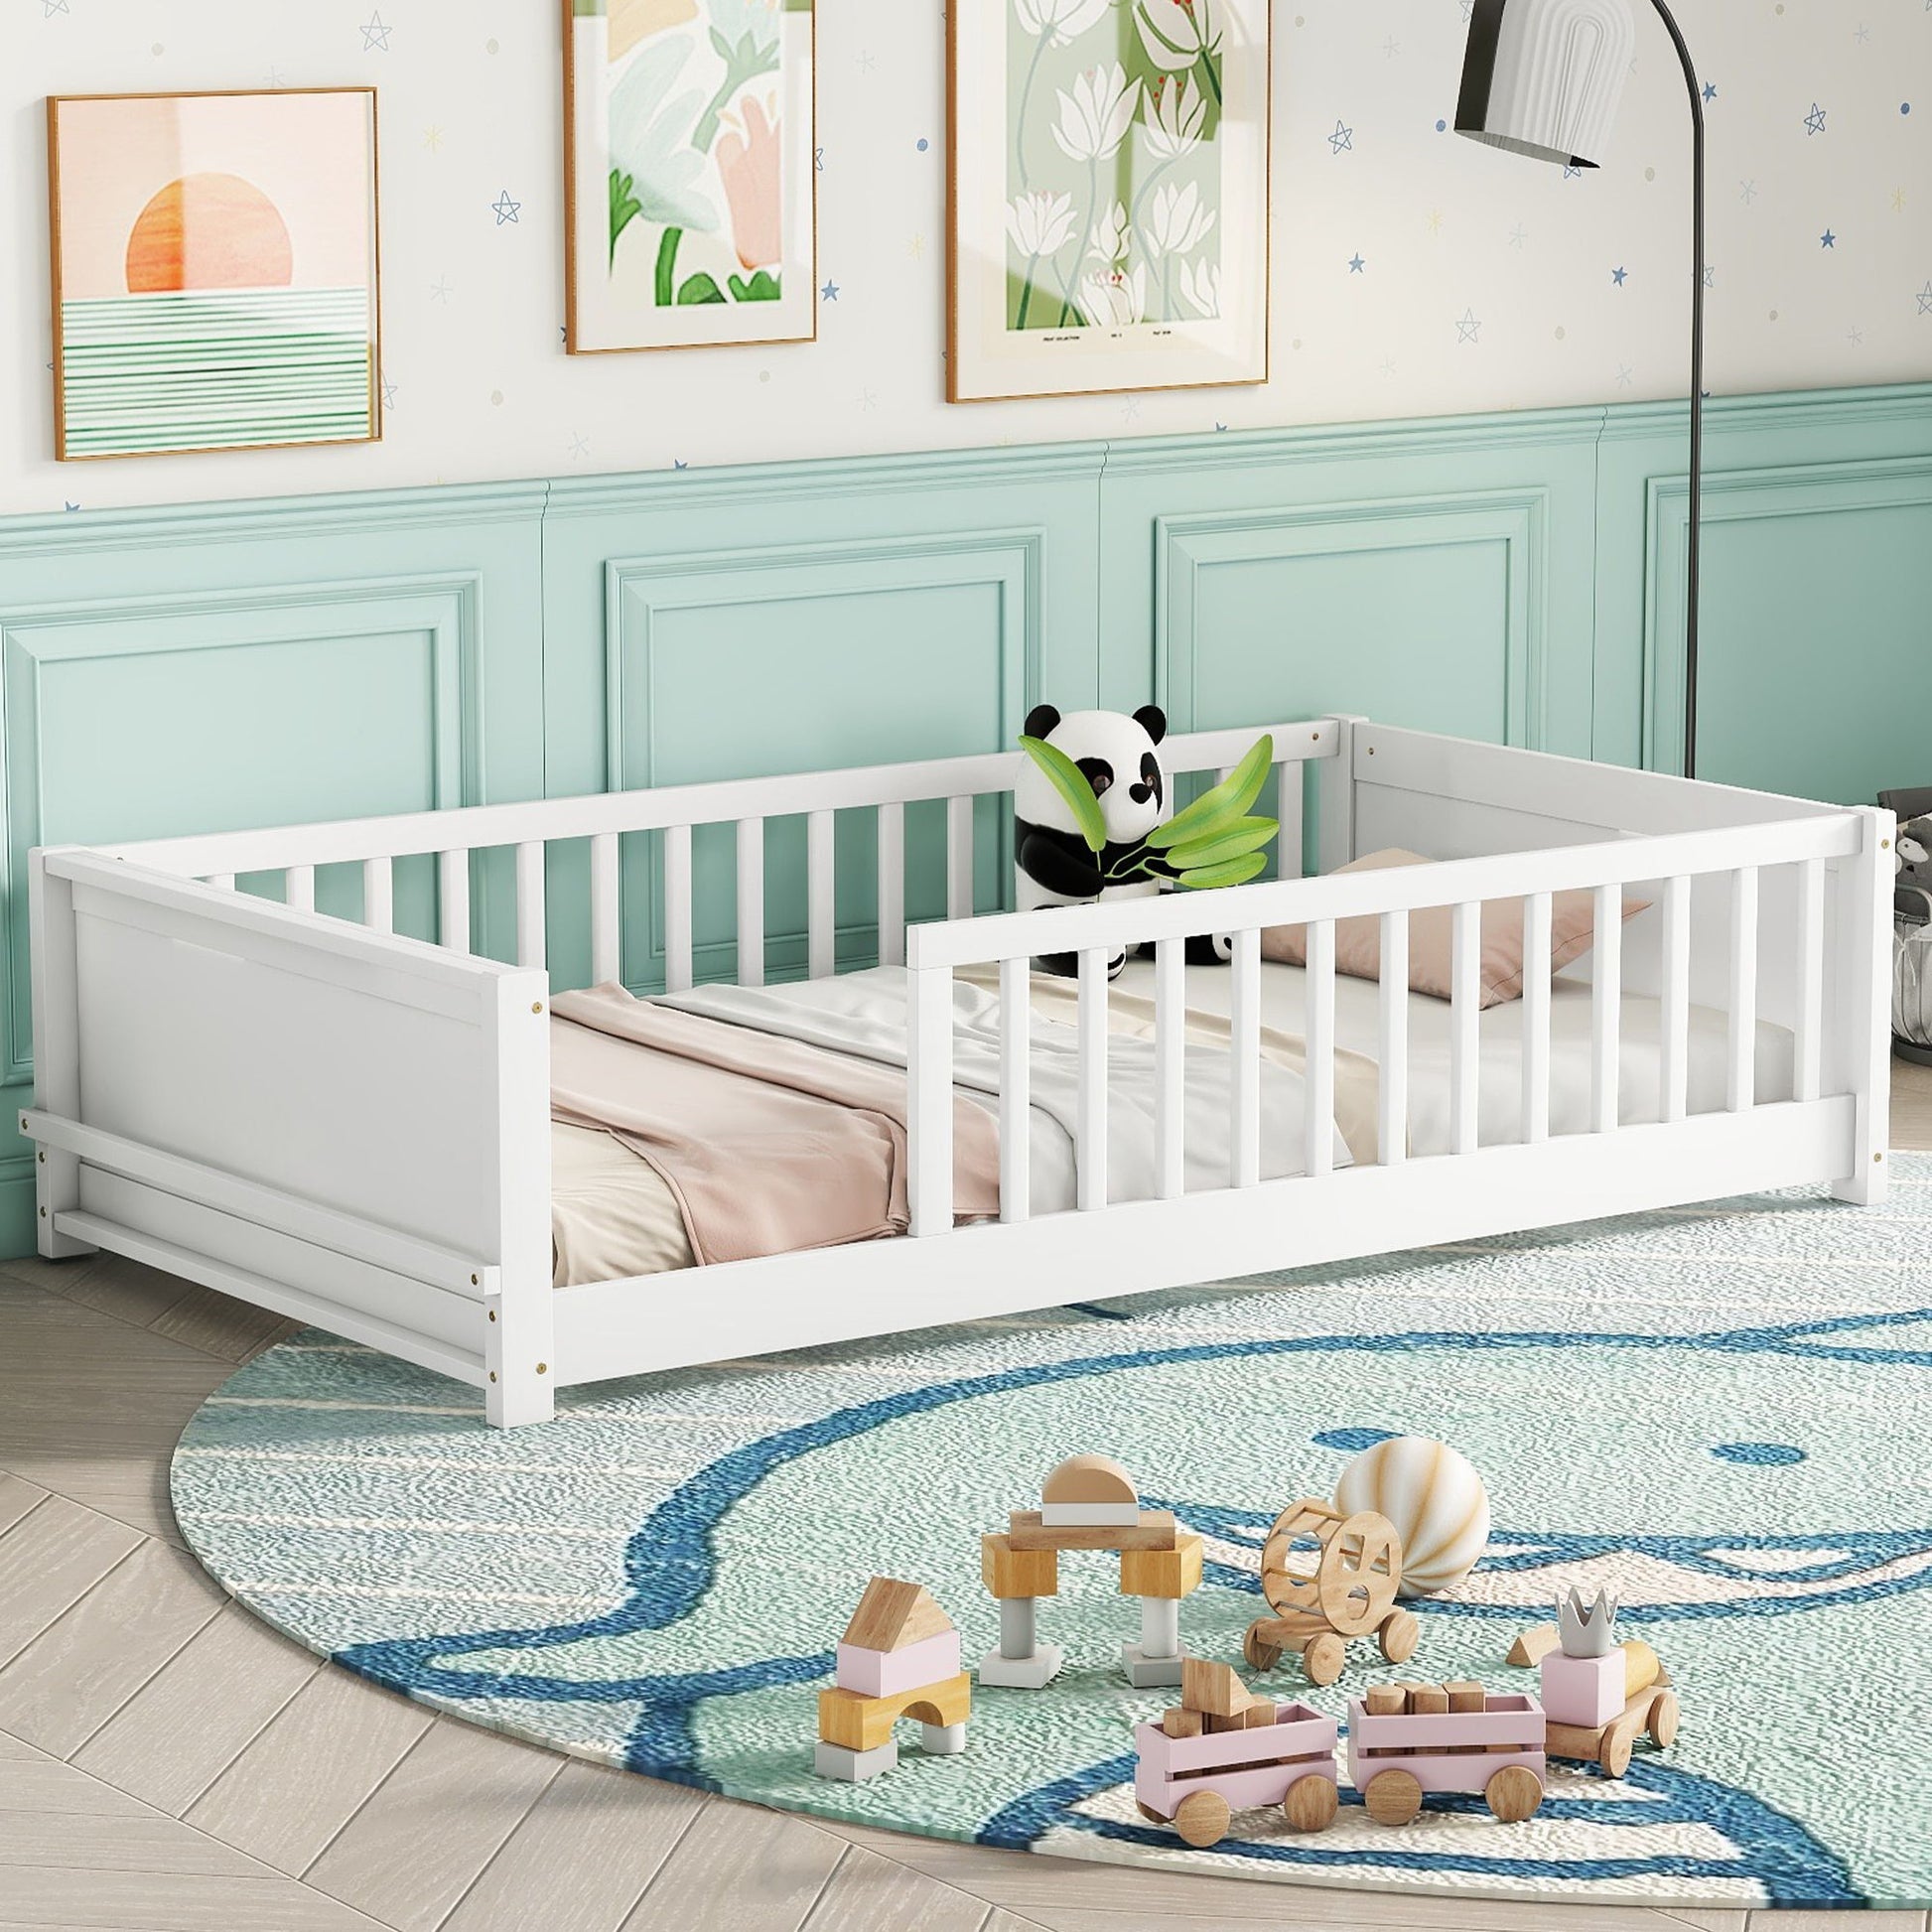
1405,1741
1330,1578
1199,1766
1654,1710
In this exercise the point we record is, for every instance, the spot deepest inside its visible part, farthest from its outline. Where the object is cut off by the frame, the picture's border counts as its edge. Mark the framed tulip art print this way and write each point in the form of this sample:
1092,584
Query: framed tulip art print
1109,225
689,174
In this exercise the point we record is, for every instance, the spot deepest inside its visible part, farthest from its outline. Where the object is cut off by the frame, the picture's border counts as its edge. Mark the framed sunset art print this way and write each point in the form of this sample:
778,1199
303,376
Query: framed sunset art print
689,174
1109,190
214,271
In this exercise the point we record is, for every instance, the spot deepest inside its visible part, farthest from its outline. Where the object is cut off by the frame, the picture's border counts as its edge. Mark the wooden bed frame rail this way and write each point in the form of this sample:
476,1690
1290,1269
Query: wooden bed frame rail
351,1127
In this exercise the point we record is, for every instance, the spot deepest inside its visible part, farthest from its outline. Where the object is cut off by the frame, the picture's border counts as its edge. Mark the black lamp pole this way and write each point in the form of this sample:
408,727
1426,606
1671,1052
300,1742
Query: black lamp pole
1691,584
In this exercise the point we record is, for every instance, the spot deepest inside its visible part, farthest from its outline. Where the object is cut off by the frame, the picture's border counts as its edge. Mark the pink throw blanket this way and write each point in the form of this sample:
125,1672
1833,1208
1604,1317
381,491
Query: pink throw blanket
770,1146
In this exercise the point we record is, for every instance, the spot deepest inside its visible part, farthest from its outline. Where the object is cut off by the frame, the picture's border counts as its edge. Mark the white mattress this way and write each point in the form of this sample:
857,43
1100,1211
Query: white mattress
613,1217
1500,1089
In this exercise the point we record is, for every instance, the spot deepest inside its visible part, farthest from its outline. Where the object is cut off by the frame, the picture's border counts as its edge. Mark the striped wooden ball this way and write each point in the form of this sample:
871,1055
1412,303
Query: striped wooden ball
1435,1499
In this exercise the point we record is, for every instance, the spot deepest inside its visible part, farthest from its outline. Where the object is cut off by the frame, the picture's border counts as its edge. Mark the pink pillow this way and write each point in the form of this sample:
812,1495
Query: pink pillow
1358,942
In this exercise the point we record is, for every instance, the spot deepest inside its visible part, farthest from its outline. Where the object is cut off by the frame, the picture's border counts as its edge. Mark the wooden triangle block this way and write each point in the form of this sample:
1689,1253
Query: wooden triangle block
892,1614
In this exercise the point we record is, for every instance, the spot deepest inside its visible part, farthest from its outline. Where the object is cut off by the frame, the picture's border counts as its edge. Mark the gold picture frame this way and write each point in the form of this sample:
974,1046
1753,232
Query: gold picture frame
215,271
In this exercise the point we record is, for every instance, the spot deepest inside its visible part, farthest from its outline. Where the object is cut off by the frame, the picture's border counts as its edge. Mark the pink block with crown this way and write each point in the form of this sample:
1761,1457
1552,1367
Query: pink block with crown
886,1673
1584,1690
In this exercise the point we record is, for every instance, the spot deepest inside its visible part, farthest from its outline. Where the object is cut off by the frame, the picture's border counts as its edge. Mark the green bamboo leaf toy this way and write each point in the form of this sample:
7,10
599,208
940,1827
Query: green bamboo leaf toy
1244,836
1071,785
1214,812
1232,872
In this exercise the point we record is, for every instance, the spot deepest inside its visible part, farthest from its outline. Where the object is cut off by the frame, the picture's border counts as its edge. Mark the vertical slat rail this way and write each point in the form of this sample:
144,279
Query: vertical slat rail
1808,1024
379,895
750,909
1289,791
1674,1057
892,884
1606,1011
530,939
1244,1061
929,1100
1318,1077
677,908
1536,1017
55,985
821,925
1466,1012
299,889
1090,1117
607,964
959,858
1016,1073
1740,1086
1171,1066
453,900
1392,1043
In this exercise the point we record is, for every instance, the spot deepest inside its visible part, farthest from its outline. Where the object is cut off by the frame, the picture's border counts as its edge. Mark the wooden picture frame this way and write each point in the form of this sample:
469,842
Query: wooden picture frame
215,271
690,174
1107,196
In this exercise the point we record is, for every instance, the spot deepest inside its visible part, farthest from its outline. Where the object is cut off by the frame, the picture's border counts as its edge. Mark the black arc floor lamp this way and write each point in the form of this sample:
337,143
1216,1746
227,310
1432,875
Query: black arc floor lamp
1542,78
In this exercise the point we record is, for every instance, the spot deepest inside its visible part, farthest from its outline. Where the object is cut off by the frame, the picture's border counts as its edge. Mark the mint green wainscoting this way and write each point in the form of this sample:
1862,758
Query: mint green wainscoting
1514,578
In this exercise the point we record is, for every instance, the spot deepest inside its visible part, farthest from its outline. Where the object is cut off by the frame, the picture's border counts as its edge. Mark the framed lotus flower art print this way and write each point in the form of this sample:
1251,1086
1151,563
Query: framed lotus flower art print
689,173
1109,195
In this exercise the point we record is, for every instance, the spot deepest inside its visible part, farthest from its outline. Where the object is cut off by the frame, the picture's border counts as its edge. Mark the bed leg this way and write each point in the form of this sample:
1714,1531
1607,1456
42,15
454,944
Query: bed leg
521,1381
1862,1021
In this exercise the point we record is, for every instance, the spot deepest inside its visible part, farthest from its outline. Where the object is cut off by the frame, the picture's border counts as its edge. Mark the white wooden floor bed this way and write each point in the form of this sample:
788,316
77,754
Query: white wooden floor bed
351,1128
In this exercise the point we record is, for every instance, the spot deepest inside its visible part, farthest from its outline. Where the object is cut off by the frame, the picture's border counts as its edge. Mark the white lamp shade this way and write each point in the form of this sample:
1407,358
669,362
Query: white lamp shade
1544,78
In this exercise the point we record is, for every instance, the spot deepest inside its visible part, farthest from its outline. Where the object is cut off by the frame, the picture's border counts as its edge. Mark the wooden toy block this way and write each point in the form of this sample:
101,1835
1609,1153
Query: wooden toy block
1181,1723
892,1614
1465,1696
1534,1645
1033,1672
853,1768
1427,1700
1641,1667
1214,1723
884,1673
942,1740
1260,1714
1385,1700
1210,1687
1150,1668
1008,1572
1089,1479
1089,1516
1152,1529
862,1723
1583,1691
1173,1573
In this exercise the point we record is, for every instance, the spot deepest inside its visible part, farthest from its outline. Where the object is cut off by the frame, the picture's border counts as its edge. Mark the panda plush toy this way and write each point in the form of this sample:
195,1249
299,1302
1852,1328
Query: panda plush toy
1119,757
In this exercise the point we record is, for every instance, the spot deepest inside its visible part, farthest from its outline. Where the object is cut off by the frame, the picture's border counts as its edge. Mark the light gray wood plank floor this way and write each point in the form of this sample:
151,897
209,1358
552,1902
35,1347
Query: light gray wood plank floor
168,1761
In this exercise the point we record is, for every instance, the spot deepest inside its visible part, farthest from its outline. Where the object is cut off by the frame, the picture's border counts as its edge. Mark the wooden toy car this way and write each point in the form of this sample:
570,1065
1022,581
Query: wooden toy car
1654,1709
1330,1578
1283,1754
1405,1741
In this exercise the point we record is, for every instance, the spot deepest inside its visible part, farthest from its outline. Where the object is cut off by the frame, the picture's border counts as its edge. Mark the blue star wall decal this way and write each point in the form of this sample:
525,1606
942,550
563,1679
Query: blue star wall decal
1467,326
64,500
1815,120
504,208
1925,294
1342,138
1572,174
388,393
678,463
375,33
1357,264
1828,240
48,8
1619,276
1709,90
829,292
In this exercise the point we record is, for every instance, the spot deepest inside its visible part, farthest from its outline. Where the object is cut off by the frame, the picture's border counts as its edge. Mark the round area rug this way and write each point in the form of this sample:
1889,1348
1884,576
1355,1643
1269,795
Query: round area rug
1722,1413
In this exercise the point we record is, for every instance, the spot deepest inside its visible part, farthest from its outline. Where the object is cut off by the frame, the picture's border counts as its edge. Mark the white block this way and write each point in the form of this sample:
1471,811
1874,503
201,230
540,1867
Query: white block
886,1673
1089,1516
853,1767
1146,1672
1023,1673
1018,1625
1161,1626
942,1740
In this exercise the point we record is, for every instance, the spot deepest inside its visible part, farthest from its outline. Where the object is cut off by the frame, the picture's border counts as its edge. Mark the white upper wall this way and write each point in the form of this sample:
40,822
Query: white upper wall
1447,232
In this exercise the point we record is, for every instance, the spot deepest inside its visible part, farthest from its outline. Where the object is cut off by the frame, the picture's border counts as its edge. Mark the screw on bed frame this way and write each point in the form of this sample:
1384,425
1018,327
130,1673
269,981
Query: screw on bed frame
493,1375
543,1368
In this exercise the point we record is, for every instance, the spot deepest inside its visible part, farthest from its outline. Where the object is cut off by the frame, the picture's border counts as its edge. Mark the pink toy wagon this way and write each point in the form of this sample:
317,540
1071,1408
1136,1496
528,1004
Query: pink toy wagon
1198,1783
1395,1758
